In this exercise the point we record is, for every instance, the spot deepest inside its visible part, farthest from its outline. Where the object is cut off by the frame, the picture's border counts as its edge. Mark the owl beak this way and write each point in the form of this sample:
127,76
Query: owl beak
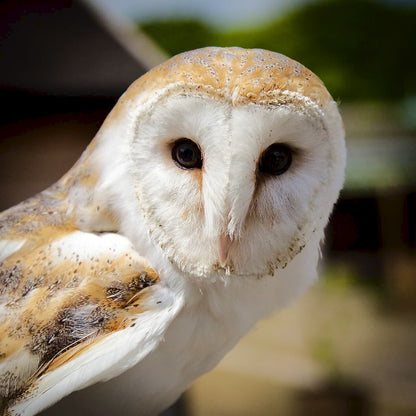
225,242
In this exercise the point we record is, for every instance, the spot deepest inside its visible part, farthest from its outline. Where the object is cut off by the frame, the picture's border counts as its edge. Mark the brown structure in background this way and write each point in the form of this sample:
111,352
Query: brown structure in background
61,72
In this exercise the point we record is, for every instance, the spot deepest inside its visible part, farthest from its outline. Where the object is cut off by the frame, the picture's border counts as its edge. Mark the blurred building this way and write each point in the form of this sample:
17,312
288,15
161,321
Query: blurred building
373,227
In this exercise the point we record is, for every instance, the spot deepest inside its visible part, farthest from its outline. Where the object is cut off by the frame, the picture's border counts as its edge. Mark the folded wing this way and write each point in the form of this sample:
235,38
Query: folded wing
76,308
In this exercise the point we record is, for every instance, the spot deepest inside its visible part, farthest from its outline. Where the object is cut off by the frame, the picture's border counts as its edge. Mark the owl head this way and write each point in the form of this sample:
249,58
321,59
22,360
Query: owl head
223,160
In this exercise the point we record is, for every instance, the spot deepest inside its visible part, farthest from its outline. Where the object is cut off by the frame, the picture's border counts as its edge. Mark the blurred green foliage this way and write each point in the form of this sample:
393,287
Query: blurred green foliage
361,49
176,36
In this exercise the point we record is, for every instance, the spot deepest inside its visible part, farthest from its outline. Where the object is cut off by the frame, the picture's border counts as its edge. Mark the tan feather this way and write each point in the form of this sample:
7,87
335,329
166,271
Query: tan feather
55,302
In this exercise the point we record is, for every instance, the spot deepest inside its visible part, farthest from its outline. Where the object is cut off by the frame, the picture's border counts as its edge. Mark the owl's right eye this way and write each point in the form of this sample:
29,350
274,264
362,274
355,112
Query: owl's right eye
186,154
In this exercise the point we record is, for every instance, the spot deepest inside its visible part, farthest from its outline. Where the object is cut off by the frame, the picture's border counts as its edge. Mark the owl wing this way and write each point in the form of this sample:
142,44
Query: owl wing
75,308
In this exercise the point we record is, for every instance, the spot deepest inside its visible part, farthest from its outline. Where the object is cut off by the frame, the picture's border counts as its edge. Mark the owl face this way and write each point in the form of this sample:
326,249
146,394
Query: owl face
237,158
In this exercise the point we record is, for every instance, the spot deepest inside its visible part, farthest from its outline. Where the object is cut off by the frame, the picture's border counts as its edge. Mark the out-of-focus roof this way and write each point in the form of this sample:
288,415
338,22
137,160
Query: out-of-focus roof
66,47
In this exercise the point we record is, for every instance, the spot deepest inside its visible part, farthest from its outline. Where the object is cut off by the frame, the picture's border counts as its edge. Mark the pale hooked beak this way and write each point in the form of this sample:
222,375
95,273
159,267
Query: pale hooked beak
224,245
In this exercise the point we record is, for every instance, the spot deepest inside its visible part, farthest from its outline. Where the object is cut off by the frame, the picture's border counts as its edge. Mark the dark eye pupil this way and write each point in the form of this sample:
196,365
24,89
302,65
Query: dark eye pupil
187,154
276,159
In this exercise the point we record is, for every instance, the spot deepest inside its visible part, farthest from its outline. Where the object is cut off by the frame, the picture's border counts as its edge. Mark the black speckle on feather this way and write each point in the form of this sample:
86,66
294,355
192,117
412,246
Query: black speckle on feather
10,278
121,293
71,326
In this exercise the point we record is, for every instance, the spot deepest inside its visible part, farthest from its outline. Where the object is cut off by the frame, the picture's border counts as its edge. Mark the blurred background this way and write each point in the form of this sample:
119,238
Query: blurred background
348,346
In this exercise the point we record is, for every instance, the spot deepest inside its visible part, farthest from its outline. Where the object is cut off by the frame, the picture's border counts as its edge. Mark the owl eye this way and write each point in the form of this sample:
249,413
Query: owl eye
187,154
276,159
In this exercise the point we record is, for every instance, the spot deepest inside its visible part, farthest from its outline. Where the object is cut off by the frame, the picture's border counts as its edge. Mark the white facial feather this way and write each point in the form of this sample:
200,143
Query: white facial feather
187,213
270,218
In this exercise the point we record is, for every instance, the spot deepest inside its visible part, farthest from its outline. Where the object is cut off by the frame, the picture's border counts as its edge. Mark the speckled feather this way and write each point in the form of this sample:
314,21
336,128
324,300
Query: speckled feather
56,299
246,74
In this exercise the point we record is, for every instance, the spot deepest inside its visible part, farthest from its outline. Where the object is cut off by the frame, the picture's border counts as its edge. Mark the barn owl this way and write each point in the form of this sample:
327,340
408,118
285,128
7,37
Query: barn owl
198,208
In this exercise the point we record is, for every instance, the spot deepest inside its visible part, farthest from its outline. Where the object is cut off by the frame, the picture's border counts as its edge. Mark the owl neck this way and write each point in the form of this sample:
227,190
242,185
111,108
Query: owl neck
92,190
217,314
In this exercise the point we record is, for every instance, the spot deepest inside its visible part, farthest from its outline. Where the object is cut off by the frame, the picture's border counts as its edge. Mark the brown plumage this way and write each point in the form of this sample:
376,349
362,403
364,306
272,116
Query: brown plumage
55,303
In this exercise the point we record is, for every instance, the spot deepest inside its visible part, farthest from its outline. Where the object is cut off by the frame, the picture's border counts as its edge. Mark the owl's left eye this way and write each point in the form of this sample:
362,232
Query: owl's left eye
276,159
187,154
